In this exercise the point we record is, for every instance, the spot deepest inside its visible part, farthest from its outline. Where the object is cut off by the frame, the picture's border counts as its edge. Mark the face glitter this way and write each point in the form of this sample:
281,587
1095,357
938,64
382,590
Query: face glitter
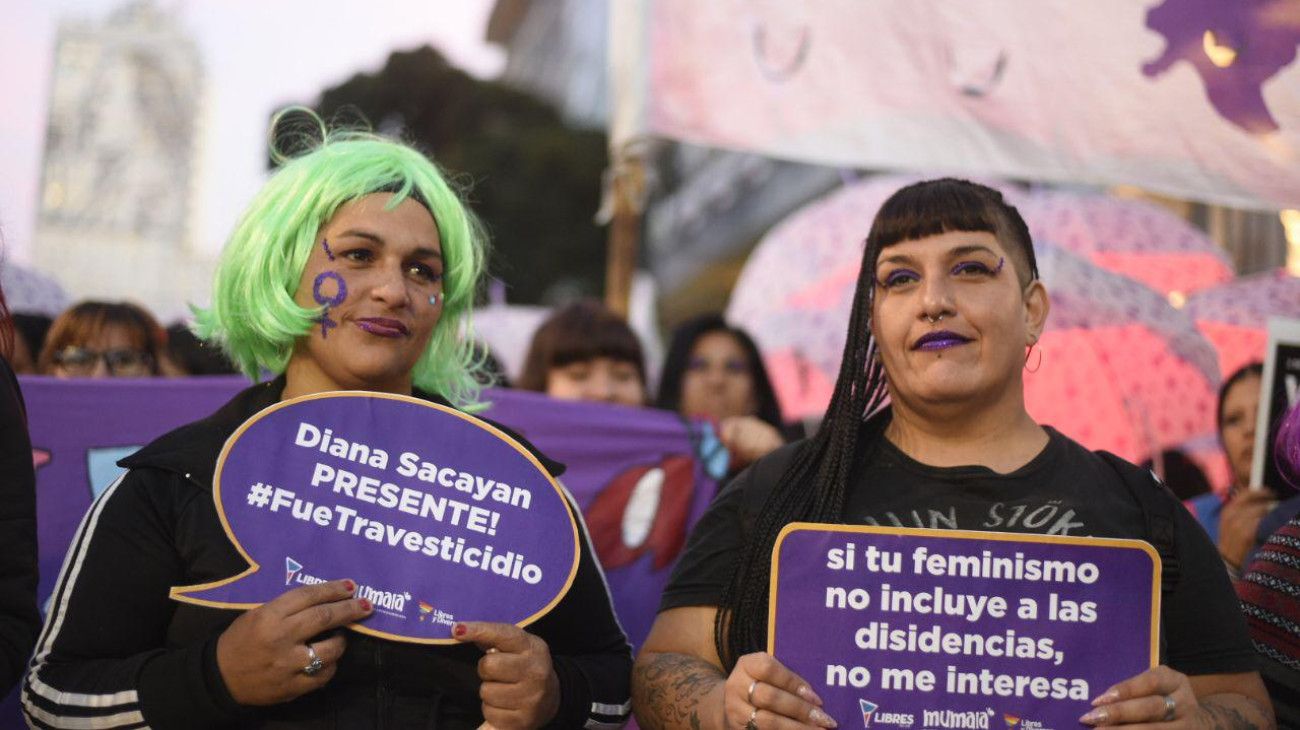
341,289
341,293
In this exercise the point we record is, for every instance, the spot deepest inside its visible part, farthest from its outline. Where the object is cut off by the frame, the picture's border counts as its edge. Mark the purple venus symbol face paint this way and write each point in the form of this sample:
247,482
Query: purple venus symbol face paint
340,293
325,244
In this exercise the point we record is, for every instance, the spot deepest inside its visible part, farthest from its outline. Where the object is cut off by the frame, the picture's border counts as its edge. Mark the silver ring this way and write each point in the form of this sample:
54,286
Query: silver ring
751,725
1170,706
749,696
313,666
935,320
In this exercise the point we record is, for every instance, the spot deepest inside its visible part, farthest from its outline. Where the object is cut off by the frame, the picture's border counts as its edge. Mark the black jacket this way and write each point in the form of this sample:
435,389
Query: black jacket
115,648
19,619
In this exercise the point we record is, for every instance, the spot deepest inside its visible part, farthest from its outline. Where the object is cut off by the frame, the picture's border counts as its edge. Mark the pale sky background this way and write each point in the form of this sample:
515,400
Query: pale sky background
257,55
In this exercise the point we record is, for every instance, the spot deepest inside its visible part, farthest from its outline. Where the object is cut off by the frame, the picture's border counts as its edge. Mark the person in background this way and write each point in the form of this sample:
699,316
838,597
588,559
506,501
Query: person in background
1270,590
1177,470
102,340
30,331
1245,517
714,371
583,351
20,621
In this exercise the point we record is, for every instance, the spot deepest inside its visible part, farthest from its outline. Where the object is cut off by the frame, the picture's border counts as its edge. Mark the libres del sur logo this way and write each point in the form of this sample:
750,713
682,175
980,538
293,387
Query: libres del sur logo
868,709
393,603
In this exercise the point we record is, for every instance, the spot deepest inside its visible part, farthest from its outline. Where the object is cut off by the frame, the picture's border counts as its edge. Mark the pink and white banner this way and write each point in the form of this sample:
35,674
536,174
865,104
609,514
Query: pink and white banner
1197,99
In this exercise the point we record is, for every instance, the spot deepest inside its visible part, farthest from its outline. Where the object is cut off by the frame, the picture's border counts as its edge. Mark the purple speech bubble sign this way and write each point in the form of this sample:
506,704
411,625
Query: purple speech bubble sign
437,516
821,644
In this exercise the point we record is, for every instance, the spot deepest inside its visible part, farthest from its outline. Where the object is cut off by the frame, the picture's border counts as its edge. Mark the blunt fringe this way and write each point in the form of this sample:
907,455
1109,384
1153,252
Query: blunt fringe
577,332
815,485
253,316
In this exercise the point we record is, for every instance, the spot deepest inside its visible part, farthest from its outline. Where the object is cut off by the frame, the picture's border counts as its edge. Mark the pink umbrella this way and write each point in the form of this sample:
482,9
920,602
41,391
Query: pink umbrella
1234,316
1121,369
1131,237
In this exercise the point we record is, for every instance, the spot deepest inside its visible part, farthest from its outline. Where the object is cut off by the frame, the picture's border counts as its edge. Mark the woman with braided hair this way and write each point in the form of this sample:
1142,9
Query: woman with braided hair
947,303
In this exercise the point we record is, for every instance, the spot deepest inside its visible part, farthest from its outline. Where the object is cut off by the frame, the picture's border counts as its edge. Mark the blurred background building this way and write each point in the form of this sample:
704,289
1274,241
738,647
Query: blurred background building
118,173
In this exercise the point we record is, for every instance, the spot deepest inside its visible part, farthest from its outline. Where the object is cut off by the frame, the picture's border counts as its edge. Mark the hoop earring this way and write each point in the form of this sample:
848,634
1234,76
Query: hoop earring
1037,363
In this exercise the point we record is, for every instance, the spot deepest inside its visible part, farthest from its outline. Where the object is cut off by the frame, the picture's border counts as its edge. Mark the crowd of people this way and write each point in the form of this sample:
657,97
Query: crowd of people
95,339
928,409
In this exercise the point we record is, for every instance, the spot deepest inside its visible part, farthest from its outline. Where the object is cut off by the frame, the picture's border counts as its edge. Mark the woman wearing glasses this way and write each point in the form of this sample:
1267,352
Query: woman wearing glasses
103,340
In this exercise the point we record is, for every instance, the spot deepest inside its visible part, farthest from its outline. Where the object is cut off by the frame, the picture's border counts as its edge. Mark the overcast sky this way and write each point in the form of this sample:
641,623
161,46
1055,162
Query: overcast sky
257,55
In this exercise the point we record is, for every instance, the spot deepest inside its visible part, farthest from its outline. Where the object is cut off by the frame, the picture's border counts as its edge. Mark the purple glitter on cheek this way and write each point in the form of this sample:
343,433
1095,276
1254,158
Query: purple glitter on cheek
340,294
326,245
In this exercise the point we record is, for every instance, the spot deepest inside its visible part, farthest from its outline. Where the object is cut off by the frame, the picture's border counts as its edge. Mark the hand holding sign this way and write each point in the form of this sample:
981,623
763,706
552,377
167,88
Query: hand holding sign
262,654
520,689
765,692
1159,694
438,516
949,629
1239,523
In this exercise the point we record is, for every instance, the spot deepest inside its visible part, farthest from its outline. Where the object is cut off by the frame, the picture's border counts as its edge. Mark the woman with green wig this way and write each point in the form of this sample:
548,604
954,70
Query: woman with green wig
354,268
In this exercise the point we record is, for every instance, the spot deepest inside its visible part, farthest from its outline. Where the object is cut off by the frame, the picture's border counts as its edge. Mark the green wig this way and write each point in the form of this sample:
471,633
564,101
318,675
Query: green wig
253,316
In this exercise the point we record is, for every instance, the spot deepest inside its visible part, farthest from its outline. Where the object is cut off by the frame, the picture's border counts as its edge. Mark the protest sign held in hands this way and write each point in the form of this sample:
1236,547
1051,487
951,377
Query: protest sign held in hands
438,517
953,629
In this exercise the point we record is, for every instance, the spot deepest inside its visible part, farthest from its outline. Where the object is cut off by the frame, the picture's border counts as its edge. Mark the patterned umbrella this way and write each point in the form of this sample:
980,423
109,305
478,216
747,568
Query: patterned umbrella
1131,237
1234,316
1121,369
30,291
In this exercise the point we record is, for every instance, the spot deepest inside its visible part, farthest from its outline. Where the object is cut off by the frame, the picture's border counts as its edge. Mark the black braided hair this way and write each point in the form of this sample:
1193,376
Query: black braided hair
815,485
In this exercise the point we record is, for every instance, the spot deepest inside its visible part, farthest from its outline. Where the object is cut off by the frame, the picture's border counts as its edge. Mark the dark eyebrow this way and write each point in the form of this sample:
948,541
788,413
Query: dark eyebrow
423,252
964,250
357,233
897,259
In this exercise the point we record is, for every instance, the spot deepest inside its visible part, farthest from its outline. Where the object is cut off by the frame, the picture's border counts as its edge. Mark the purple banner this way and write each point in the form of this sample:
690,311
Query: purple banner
905,628
633,471
437,516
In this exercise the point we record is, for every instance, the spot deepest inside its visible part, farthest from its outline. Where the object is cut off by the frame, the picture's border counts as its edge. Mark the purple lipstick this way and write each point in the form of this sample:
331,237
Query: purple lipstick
940,340
383,327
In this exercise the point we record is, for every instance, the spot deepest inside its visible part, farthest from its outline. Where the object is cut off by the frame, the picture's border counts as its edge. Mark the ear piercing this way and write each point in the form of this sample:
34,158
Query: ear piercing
433,300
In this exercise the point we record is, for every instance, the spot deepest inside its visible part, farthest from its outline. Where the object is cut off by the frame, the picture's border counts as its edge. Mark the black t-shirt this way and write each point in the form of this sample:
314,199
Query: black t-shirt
1064,490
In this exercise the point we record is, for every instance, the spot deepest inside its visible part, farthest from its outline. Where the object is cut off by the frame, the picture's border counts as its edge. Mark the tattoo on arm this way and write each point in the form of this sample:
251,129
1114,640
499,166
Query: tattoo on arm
1243,713
667,689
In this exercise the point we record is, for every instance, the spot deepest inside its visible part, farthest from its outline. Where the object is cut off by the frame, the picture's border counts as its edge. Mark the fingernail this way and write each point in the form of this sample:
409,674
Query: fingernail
459,630
807,693
821,718
366,605
1094,717
352,587
1106,698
